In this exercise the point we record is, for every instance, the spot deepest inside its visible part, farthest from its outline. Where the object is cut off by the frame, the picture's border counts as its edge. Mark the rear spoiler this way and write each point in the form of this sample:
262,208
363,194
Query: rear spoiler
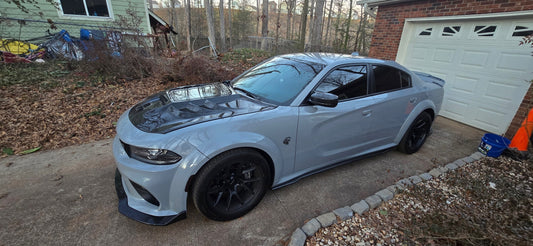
430,78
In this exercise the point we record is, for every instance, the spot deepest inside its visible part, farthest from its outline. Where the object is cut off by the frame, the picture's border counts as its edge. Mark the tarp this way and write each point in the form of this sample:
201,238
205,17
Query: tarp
62,45
17,47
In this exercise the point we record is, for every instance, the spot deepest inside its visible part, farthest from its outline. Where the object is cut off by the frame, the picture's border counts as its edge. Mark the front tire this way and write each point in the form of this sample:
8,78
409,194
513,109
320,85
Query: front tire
231,184
417,134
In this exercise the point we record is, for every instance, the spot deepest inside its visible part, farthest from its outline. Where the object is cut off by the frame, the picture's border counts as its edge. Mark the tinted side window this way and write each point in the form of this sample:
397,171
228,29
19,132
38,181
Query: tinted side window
346,82
389,78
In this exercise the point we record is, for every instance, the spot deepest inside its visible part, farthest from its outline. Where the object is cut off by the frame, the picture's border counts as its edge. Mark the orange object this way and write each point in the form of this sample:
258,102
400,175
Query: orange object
521,137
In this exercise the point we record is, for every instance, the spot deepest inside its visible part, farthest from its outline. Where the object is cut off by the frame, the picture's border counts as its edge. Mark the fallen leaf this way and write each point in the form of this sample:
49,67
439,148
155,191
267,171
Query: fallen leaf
29,151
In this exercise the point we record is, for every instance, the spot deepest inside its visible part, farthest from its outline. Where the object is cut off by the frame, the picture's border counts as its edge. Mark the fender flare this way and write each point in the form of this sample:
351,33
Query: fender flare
422,106
234,140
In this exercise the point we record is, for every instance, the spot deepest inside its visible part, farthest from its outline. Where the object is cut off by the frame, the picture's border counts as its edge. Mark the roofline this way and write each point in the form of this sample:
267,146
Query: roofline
374,3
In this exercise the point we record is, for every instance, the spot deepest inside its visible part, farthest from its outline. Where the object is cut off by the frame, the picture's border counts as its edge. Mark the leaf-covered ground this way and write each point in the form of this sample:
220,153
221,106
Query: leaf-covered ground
57,104
488,202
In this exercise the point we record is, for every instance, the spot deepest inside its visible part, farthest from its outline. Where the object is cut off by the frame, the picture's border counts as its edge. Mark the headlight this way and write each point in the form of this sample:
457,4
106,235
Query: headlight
152,156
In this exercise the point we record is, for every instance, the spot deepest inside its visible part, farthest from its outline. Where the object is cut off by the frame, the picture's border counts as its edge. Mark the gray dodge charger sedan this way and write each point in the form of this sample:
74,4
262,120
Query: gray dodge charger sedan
225,144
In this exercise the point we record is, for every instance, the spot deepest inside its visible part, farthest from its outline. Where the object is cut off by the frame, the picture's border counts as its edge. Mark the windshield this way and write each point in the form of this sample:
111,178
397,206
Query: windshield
277,81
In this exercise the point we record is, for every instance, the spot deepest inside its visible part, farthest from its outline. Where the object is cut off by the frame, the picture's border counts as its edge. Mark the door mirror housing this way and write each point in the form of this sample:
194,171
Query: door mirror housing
324,99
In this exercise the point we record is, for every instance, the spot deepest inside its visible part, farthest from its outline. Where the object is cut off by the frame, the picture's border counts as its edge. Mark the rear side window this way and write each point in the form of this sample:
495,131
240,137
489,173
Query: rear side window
388,78
346,82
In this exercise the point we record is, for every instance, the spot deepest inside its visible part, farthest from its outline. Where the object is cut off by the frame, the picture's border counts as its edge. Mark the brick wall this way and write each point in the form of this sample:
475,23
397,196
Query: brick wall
521,114
391,18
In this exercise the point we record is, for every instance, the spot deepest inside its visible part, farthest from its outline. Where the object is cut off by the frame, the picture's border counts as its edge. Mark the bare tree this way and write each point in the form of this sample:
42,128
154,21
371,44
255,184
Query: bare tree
348,23
290,8
311,19
326,40
258,17
222,26
303,25
337,23
264,29
278,25
210,25
230,3
358,33
188,21
316,37
363,33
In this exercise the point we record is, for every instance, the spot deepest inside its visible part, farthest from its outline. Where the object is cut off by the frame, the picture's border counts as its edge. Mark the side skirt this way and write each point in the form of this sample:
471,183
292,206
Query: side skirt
296,179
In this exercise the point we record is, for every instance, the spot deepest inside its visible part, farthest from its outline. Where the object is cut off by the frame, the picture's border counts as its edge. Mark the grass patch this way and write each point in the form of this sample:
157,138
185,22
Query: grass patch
45,74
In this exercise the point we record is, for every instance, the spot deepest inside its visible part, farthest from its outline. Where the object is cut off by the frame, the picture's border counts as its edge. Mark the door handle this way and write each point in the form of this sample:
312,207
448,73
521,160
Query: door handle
413,99
367,113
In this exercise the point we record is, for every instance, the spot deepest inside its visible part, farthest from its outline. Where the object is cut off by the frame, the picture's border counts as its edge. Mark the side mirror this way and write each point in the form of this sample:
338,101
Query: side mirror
324,99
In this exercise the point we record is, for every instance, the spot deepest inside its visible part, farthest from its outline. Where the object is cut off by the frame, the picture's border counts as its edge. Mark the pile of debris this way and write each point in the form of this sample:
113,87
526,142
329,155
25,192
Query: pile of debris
60,45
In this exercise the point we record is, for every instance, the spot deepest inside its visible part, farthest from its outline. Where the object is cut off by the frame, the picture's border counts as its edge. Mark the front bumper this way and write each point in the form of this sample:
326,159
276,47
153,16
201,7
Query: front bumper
154,194
130,212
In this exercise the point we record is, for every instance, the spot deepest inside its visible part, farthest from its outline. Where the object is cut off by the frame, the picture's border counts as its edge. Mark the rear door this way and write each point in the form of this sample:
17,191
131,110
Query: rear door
394,99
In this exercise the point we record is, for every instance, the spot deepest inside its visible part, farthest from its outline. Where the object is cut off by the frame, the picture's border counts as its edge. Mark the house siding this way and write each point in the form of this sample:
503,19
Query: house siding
36,20
391,18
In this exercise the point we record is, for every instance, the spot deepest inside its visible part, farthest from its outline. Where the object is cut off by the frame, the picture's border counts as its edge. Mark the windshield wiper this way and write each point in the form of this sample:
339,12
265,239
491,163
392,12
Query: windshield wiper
246,92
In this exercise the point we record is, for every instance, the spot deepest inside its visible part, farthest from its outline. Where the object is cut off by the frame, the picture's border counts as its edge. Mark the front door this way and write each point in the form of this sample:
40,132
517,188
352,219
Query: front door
328,135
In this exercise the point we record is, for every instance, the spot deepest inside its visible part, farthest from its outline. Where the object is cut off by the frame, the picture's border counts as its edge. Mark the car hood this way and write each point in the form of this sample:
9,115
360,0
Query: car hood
184,106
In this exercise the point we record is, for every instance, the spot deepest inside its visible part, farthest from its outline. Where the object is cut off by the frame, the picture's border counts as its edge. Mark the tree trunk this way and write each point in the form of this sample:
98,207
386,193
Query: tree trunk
290,8
338,21
303,25
278,25
230,2
258,18
316,39
264,29
348,23
188,27
363,34
312,22
293,28
222,26
210,26
326,40
358,33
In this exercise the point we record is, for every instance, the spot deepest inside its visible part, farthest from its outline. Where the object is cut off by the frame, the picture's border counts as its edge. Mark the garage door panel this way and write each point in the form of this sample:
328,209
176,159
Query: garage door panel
454,108
444,56
464,85
484,68
514,62
488,117
420,53
475,59
501,91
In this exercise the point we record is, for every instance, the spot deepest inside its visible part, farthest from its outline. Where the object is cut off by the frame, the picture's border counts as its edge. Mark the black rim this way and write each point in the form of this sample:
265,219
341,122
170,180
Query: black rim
418,134
234,187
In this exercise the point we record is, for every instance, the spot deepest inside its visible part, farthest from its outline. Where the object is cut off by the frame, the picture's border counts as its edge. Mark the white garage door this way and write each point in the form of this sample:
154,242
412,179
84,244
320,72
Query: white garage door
485,69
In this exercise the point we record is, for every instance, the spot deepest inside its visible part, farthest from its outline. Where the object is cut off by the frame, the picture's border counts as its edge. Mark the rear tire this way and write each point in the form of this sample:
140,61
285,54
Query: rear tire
231,184
417,134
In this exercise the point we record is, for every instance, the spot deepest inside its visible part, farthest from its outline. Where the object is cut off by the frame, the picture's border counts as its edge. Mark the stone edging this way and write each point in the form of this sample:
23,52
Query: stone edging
299,235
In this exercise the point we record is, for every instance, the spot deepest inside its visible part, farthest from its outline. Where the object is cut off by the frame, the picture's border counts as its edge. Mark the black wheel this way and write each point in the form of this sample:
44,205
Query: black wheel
416,135
231,184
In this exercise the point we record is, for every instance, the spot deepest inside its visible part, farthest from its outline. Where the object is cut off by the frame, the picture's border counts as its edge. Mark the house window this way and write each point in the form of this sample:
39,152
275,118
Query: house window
485,31
426,32
522,31
450,31
85,7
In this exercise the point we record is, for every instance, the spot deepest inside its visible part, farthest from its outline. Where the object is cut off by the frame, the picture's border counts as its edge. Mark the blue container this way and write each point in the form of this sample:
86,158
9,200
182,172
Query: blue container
493,145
